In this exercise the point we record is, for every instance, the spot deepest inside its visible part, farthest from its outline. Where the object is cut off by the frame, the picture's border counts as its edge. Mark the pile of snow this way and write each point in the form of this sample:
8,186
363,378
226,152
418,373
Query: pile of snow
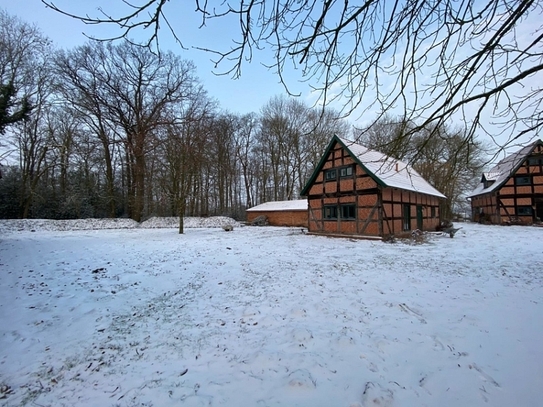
189,222
10,225
13,225
270,317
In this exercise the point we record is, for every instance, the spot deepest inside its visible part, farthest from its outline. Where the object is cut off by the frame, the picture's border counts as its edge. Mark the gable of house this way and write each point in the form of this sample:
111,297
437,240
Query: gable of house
385,171
511,189
494,179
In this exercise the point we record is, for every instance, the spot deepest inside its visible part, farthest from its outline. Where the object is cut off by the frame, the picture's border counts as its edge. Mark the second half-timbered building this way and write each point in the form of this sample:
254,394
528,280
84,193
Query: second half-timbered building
358,191
512,191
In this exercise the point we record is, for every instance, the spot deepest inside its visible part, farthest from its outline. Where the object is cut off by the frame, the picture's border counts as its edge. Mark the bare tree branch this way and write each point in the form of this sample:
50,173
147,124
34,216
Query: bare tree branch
435,60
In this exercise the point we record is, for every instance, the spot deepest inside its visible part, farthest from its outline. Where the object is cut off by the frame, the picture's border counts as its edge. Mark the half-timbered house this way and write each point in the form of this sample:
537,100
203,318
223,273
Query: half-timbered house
512,191
358,191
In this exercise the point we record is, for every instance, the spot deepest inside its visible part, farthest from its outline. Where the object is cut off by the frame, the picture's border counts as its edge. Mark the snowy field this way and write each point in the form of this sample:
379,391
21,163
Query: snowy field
265,316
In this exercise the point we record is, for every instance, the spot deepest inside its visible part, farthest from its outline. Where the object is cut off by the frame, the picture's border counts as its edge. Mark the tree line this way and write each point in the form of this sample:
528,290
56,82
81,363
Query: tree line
116,130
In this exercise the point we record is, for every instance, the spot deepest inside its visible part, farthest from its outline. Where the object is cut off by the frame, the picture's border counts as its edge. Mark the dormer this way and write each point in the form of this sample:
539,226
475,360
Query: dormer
489,178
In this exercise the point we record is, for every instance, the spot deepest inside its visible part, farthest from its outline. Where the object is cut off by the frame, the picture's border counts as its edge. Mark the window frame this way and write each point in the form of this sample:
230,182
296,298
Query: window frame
348,171
328,174
529,210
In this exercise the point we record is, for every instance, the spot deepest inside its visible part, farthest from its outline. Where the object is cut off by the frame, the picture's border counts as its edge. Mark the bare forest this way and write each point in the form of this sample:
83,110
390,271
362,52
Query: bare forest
114,129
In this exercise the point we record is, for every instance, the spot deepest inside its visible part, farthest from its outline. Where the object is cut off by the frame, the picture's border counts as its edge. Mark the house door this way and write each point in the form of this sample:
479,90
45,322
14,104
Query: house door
419,217
539,209
406,217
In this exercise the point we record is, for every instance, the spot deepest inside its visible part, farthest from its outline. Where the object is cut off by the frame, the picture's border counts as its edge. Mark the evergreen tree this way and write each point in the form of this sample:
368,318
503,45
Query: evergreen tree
8,103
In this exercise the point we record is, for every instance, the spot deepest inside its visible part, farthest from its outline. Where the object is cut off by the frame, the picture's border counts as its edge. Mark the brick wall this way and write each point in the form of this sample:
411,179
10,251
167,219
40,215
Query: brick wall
281,218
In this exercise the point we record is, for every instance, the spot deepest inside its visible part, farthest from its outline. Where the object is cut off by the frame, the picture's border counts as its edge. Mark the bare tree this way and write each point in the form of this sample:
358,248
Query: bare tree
450,163
33,138
390,135
245,144
182,154
129,93
430,60
292,139
321,126
446,159
82,88
76,182
221,147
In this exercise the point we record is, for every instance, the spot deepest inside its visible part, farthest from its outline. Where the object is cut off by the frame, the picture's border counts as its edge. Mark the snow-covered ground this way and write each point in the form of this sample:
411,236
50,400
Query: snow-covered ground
265,316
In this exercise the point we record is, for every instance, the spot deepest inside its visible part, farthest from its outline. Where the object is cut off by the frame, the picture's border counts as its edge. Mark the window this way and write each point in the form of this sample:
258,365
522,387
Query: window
344,211
330,175
346,171
524,211
348,212
433,212
535,160
330,212
524,180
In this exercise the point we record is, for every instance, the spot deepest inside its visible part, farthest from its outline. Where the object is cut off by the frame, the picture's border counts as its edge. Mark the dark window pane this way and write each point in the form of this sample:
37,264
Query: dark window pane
523,180
536,160
330,175
524,210
348,212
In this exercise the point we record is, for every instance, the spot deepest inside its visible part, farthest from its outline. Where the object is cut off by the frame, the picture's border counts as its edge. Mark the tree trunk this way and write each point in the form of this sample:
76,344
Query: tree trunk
139,190
181,206
109,180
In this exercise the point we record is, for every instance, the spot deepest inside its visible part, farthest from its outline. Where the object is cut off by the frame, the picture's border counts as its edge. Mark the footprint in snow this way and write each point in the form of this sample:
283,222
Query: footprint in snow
301,379
301,335
376,396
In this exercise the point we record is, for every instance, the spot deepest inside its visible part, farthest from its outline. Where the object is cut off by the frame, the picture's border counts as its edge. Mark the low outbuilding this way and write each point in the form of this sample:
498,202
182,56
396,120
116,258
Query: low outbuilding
281,213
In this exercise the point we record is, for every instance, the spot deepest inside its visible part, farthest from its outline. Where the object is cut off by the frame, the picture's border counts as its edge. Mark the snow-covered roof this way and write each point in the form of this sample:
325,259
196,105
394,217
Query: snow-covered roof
295,205
391,172
491,176
503,170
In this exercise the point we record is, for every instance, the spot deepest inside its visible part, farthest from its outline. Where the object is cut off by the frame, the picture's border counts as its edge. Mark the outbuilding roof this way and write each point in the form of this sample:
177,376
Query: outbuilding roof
385,170
294,205
503,170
